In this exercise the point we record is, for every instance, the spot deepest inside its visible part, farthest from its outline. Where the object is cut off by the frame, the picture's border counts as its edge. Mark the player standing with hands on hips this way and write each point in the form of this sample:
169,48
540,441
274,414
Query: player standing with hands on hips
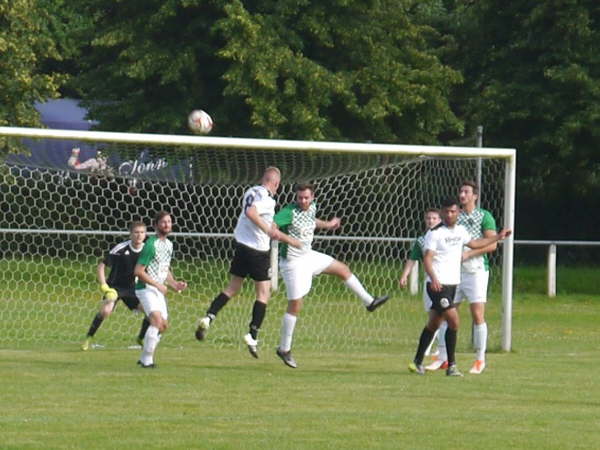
253,234
442,260
154,274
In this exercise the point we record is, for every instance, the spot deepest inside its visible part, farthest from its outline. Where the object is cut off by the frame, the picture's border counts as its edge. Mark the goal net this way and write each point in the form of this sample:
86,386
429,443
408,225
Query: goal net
68,197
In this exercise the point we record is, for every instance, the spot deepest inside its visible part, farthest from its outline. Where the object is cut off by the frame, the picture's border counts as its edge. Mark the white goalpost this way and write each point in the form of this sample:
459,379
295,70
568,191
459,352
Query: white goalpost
68,196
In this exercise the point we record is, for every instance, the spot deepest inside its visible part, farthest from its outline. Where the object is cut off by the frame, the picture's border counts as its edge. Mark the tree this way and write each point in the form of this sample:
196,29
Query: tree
342,70
532,78
29,39
337,69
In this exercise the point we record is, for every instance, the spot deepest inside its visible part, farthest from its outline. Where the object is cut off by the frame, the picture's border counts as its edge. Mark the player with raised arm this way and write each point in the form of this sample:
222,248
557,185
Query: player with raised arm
119,285
153,271
253,234
474,274
442,261
299,266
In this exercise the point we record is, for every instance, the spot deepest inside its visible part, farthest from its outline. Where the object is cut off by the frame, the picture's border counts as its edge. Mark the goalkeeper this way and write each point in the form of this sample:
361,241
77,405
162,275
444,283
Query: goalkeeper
299,266
122,259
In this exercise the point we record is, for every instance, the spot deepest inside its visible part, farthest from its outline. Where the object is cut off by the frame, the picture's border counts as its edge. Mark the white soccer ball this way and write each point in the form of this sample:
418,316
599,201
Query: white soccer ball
200,122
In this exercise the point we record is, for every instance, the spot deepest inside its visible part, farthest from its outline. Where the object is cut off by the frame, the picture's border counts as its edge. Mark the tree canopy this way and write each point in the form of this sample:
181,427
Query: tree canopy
532,72
336,70
31,37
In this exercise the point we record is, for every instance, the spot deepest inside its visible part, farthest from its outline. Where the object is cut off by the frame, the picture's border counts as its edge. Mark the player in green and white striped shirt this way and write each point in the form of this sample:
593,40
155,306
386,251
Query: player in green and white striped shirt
153,271
432,218
300,265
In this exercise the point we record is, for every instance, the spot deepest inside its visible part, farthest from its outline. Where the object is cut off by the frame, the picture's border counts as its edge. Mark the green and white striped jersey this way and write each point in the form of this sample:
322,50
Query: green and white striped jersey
416,252
156,256
476,223
298,224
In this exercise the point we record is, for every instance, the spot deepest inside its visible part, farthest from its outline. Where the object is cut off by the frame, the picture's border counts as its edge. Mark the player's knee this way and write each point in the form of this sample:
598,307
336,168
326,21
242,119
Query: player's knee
294,307
106,310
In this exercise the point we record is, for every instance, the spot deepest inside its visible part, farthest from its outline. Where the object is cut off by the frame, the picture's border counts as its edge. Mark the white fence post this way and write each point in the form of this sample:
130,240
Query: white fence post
413,279
552,270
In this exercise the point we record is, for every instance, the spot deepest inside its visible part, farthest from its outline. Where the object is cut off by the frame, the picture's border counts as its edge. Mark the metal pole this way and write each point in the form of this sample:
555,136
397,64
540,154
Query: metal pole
479,143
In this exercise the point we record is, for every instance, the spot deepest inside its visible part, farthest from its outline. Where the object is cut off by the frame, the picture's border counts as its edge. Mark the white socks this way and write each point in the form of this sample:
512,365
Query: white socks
150,342
480,333
441,336
355,285
287,332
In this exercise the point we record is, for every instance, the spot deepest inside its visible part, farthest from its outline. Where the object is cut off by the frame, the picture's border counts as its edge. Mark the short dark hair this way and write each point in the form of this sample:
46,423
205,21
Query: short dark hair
472,184
304,186
135,224
450,201
433,210
159,215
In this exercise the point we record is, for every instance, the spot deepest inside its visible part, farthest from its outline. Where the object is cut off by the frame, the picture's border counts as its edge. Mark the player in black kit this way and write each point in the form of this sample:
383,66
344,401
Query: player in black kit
122,259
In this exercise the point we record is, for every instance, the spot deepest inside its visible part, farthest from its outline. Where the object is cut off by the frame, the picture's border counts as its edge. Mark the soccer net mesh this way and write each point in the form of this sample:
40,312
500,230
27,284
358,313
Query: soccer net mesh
63,209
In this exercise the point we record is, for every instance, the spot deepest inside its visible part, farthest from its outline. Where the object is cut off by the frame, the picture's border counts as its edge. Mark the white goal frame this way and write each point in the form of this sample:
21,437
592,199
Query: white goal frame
507,155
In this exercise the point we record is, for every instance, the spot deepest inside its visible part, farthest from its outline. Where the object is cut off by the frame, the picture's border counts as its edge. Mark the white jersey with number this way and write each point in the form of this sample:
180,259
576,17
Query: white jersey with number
447,243
246,232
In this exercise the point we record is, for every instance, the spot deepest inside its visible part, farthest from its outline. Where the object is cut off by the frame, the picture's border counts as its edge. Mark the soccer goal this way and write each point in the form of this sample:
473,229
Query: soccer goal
68,196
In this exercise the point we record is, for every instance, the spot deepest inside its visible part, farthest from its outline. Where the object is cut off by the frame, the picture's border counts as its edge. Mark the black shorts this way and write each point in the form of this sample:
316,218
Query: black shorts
129,298
443,300
250,262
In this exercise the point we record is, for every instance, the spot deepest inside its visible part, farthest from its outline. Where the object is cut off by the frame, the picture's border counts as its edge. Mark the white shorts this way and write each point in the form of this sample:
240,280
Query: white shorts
473,286
426,299
152,300
297,273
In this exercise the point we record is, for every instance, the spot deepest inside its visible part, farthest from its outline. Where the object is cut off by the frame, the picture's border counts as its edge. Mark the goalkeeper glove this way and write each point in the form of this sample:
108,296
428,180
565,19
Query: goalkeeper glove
109,293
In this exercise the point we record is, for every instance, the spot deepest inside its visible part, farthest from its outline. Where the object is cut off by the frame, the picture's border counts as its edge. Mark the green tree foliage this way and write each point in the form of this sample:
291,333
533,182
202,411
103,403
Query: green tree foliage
532,72
335,69
30,38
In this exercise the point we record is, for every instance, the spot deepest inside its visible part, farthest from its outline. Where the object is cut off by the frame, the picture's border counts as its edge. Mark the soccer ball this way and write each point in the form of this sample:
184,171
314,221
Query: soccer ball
200,122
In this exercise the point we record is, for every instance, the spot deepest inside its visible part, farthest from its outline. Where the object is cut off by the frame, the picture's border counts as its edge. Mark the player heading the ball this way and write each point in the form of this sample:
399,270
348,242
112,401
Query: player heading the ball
253,234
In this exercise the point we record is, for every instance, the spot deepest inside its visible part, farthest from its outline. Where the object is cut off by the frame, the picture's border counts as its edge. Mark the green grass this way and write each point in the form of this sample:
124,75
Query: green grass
544,394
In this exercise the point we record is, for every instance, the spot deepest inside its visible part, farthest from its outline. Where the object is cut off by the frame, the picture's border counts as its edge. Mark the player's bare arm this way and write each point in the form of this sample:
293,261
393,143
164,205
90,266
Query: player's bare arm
177,285
140,272
428,265
101,273
482,251
407,269
332,224
252,214
484,242
280,236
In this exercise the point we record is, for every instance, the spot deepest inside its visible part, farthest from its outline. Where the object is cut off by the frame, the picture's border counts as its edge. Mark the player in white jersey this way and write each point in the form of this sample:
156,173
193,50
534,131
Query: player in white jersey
253,234
299,266
153,271
442,261
119,285
474,273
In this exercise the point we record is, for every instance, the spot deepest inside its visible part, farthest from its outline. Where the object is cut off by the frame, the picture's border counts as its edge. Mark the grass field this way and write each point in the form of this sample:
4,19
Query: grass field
543,394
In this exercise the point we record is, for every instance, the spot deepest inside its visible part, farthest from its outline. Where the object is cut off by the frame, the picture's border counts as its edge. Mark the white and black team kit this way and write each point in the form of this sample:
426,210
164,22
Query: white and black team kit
122,259
447,243
252,245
